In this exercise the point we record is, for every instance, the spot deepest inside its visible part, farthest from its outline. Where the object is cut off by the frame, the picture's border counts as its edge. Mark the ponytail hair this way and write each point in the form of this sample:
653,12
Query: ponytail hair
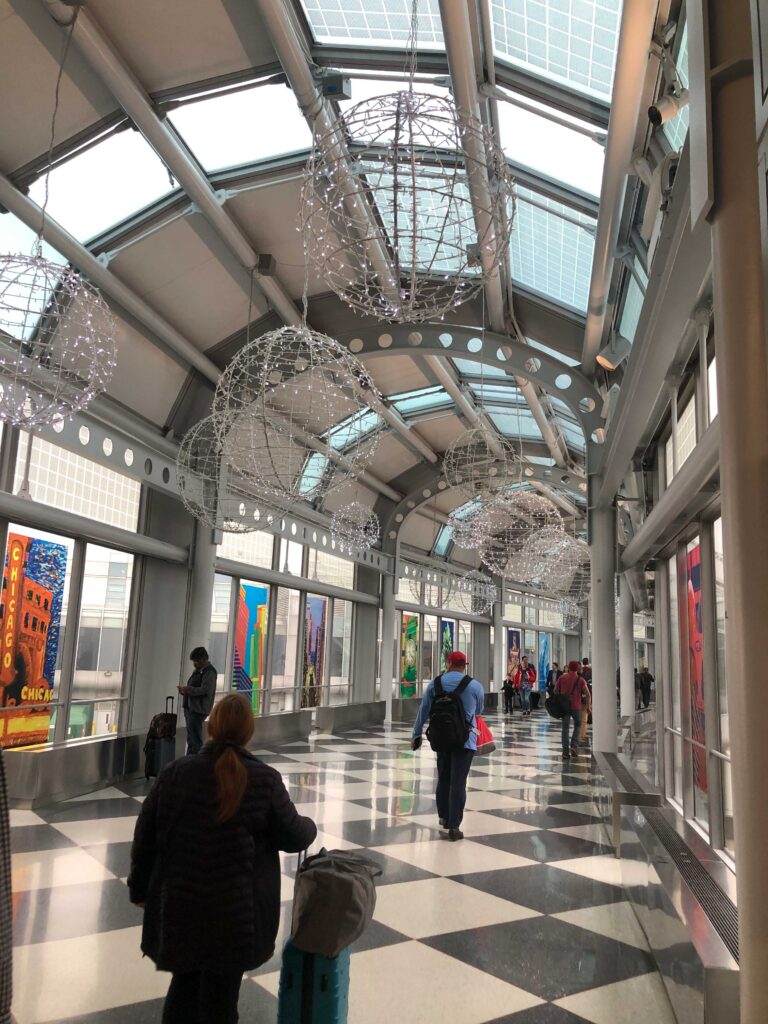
230,727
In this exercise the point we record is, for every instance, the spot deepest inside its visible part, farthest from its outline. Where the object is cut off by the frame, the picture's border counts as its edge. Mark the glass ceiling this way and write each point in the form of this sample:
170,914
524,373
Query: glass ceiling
633,302
551,249
571,41
239,127
677,129
373,22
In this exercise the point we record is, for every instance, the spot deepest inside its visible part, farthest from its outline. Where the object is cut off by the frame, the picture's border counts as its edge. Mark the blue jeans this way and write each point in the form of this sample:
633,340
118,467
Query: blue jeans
525,697
565,722
194,730
451,795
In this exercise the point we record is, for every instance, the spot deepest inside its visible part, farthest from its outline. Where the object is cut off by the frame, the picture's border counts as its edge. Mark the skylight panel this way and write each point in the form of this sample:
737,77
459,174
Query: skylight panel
373,22
633,306
564,154
315,468
443,540
354,428
16,237
104,185
573,42
409,402
553,352
515,423
677,129
472,368
507,393
551,249
238,128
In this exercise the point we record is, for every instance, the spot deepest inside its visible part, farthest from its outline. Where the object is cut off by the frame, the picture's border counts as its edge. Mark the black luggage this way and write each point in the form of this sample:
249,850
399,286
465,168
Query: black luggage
160,744
535,698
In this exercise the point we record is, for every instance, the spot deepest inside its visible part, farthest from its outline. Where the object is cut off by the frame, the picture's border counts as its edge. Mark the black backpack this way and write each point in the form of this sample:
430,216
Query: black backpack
447,727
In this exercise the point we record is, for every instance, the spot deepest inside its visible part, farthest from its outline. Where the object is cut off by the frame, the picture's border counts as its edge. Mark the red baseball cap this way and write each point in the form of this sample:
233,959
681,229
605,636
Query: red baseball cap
456,658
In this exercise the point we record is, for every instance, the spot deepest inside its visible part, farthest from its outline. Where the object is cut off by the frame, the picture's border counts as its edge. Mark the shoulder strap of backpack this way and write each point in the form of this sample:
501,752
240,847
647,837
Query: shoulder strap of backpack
463,685
438,686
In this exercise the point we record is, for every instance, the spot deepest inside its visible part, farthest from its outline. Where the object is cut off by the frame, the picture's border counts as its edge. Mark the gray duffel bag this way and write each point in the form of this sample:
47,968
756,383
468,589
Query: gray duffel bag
333,901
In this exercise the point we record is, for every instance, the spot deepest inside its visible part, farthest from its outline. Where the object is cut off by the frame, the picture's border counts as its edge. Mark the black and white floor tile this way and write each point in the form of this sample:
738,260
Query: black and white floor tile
524,922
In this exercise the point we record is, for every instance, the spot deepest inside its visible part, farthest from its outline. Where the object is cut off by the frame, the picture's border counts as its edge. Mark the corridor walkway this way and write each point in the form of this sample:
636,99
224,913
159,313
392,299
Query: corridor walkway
523,922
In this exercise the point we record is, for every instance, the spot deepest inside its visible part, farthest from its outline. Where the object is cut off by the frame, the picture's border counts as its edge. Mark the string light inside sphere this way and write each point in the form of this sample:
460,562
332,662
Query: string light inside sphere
355,527
57,341
480,461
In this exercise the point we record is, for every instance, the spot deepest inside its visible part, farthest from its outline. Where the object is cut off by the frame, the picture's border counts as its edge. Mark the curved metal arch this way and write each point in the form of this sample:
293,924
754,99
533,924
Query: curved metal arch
563,382
435,485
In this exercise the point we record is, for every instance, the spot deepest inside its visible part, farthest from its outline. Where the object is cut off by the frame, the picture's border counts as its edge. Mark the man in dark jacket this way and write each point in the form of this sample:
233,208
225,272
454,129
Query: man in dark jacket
645,685
552,676
210,889
199,695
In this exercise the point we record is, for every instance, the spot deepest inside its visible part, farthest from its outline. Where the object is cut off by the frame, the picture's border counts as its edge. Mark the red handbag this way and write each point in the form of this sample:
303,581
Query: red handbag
485,744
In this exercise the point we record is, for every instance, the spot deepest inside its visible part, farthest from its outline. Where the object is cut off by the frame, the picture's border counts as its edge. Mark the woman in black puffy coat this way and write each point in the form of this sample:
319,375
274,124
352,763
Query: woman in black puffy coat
205,867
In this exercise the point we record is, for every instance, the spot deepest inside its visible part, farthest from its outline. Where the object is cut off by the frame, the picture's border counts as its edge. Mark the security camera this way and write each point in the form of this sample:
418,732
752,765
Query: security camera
669,106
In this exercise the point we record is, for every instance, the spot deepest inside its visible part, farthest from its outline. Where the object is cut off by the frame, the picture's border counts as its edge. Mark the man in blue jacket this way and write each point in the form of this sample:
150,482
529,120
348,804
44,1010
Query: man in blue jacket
452,766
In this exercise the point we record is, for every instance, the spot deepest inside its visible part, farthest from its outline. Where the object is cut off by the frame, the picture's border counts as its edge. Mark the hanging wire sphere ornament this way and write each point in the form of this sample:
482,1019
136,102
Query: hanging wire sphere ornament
466,527
295,414
57,341
210,490
508,521
480,461
478,593
550,559
356,527
389,223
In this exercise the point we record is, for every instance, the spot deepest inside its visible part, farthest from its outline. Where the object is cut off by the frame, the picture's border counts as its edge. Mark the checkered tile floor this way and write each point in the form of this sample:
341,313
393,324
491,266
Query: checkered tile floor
524,922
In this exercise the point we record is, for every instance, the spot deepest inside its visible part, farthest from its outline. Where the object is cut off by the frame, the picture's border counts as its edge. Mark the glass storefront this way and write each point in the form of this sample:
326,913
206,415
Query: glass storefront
285,642
341,652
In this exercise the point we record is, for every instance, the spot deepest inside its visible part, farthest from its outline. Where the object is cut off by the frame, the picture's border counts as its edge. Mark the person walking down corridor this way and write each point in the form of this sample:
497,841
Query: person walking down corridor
199,695
508,690
449,709
525,677
205,867
646,679
574,688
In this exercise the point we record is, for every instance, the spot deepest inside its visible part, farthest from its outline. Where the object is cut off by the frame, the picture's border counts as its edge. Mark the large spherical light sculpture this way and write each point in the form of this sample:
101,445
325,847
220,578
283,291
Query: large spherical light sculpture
480,462
549,559
207,486
466,528
355,527
508,522
294,414
392,229
57,341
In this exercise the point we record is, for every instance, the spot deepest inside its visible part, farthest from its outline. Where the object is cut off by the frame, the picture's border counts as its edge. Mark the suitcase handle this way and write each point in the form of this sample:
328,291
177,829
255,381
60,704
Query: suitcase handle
167,699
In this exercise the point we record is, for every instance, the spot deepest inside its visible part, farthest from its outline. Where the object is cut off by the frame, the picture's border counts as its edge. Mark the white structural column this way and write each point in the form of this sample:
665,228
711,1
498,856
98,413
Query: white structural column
499,645
626,647
387,667
602,545
742,398
200,595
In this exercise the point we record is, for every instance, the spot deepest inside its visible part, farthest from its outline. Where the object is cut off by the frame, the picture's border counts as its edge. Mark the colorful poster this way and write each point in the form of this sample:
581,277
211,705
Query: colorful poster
695,656
513,651
409,652
314,651
545,649
250,633
30,621
447,639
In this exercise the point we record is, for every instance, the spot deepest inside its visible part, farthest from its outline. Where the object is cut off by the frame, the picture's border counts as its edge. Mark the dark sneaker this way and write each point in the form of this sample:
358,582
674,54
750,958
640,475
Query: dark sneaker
442,824
574,752
566,757
455,834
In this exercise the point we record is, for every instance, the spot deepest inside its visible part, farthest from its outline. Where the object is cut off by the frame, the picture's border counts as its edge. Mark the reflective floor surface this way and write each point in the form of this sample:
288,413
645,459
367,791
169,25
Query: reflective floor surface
524,922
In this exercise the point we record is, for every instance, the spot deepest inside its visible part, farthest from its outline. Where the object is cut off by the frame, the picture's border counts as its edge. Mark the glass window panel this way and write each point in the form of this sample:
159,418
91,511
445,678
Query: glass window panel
550,254
420,400
722,689
103,185
341,651
633,305
669,463
373,22
355,428
16,237
535,141
674,637
409,653
242,127
448,636
727,786
63,480
103,626
677,769
686,432
330,569
529,645
572,43
530,615
696,681
442,542
313,660
712,389
285,642
513,609
465,641
219,633
33,613
471,367
291,557
515,424
676,129
248,655
429,659
250,548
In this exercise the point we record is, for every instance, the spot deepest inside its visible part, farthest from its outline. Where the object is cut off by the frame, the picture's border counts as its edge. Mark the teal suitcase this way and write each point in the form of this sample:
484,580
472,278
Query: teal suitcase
313,989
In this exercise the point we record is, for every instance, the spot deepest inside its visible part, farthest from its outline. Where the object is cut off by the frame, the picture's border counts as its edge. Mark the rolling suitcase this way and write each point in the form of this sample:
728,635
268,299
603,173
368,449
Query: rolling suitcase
160,744
313,989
